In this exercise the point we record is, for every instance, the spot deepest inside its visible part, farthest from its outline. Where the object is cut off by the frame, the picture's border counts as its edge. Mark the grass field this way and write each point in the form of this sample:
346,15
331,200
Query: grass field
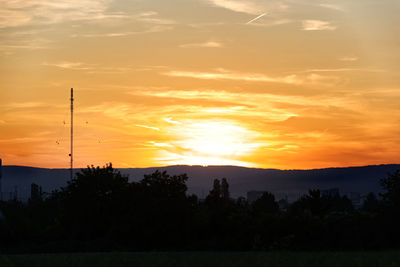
207,259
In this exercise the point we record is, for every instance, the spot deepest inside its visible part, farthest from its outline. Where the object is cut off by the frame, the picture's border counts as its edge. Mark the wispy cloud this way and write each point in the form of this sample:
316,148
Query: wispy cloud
110,34
209,44
170,120
23,140
148,21
249,6
88,68
147,127
272,23
20,12
147,13
158,144
12,45
122,34
151,17
28,32
345,70
146,30
227,75
70,65
349,58
332,6
247,99
119,111
237,5
25,105
317,25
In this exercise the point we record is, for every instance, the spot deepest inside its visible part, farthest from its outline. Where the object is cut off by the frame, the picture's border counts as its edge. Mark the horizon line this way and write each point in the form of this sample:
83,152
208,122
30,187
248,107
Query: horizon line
206,166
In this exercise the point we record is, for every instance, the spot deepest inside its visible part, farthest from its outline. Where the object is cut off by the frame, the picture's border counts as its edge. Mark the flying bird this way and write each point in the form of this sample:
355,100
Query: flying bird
256,18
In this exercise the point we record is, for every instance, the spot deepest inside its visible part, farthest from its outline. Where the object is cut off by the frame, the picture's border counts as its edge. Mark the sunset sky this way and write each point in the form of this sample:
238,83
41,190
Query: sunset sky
256,83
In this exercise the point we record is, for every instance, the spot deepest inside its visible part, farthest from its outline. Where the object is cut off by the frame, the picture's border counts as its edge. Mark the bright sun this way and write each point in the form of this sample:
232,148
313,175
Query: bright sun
211,143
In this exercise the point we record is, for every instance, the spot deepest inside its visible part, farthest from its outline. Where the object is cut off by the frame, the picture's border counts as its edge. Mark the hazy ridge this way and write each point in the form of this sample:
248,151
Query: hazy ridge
281,182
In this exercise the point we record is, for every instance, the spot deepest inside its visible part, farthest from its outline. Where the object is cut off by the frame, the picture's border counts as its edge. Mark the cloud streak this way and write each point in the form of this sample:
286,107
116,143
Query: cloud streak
237,5
332,6
150,17
88,68
349,59
317,25
70,65
209,44
170,120
147,127
20,12
249,77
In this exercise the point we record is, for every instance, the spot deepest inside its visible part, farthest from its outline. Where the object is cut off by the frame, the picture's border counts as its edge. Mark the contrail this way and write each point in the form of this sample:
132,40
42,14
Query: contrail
256,18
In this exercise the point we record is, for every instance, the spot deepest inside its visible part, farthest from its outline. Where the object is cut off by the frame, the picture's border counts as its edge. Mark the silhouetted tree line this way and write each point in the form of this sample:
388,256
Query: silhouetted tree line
100,210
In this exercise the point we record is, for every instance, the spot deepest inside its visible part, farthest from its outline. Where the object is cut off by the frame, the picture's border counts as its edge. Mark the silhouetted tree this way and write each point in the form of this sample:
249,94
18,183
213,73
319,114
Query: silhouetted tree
164,211
101,210
392,186
266,203
91,201
319,205
311,203
36,194
162,185
215,193
371,203
225,189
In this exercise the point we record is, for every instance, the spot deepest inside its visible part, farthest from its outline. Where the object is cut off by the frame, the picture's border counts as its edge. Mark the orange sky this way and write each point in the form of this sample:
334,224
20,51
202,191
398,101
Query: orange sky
274,84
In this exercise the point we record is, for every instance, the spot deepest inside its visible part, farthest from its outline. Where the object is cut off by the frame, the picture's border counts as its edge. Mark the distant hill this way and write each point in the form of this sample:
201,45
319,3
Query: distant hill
292,183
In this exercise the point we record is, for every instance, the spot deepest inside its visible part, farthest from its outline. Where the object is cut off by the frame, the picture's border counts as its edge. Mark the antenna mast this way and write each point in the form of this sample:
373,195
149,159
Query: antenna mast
72,134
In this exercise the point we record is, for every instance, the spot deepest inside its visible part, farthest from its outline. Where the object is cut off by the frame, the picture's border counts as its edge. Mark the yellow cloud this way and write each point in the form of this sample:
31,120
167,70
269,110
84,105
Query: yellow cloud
209,44
251,77
317,25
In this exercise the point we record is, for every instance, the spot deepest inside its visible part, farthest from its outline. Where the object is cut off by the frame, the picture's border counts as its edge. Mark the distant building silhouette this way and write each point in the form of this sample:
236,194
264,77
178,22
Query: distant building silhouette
356,199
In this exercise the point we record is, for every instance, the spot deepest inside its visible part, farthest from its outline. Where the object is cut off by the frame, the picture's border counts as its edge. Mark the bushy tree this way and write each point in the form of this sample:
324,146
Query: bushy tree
265,204
320,205
100,209
91,201
371,203
391,185
164,185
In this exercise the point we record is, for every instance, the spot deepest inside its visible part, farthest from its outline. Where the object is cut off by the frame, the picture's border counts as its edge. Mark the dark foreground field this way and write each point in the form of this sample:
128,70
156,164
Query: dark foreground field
209,259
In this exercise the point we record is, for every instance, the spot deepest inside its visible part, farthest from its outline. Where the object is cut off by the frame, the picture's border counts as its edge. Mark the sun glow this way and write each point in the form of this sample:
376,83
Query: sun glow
211,143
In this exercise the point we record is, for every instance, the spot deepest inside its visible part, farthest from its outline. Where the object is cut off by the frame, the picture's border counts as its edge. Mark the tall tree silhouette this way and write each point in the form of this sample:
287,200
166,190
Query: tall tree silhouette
392,186
225,189
215,193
